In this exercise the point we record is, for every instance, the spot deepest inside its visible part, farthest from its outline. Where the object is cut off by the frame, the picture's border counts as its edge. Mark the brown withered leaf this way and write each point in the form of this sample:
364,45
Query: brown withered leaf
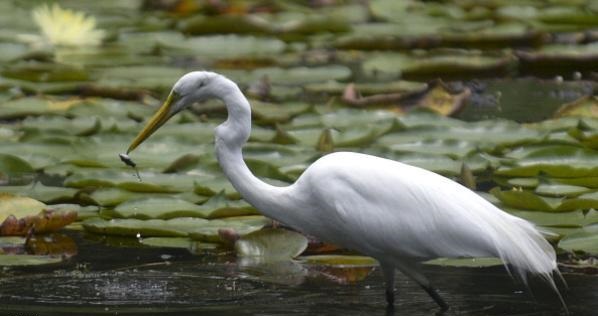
586,106
437,96
20,214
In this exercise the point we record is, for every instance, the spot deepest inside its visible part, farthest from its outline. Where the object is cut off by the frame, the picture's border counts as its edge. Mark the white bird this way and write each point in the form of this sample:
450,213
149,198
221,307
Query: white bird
396,213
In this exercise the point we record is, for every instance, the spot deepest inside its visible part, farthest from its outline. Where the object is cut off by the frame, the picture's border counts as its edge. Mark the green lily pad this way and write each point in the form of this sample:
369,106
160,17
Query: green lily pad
239,24
291,76
530,201
555,161
219,46
585,240
28,260
396,65
41,192
28,106
169,207
154,208
157,78
436,163
551,219
453,148
19,206
484,134
45,72
176,227
466,262
80,126
14,169
269,113
240,225
273,244
110,197
525,200
151,182
560,190
557,59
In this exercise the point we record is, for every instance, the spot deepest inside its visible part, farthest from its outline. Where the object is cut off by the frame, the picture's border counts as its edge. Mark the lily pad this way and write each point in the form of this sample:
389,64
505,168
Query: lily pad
273,244
14,169
585,241
28,260
240,225
396,65
176,227
41,192
19,214
466,262
169,207
555,161
583,107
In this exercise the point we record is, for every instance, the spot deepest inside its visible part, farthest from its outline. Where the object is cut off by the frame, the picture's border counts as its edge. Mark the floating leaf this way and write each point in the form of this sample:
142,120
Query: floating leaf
273,244
395,65
28,260
586,106
41,192
441,100
14,169
560,190
19,214
466,262
525,200
555,161
552,219
557,59
167,207
585,241
176,227
240,225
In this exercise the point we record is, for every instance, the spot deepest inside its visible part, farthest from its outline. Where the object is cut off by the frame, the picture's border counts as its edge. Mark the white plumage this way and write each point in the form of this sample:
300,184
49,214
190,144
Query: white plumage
396,213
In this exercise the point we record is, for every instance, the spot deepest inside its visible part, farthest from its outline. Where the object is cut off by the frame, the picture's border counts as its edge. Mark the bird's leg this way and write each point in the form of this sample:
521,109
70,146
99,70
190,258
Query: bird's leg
389,280
434,295
412,271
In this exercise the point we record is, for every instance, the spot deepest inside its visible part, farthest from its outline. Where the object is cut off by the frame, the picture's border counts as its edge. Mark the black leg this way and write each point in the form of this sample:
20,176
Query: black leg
434,295
389,280
390,297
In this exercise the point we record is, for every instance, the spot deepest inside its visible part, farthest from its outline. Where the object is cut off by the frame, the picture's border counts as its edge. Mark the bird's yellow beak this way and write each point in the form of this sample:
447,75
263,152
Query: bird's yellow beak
164,114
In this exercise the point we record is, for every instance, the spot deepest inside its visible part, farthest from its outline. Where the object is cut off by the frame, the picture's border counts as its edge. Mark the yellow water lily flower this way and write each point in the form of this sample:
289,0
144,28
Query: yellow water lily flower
64,27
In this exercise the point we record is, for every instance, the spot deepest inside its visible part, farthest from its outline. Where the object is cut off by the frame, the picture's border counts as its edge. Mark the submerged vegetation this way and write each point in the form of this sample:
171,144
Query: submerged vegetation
497,95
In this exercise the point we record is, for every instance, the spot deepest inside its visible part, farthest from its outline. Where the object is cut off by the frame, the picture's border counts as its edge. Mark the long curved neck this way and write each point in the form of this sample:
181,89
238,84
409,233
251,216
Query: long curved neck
230,138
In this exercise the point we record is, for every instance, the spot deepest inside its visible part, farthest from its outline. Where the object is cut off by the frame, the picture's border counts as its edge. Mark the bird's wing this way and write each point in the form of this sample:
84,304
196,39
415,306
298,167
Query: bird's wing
392,208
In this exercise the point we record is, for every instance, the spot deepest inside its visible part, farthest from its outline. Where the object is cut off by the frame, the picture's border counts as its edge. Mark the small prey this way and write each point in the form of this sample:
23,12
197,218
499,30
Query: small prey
129,162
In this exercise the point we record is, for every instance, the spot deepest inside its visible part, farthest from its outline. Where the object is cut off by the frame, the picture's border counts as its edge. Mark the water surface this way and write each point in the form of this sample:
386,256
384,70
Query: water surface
104,280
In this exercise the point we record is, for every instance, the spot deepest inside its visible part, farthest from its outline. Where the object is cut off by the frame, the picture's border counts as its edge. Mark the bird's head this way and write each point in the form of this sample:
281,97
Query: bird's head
196,86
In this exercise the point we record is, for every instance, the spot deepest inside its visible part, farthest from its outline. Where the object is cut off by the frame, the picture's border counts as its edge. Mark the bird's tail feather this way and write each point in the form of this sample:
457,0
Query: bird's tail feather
522,246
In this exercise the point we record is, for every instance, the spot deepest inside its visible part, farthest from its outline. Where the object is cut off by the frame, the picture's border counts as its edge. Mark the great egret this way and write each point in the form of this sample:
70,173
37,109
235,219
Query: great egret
393,212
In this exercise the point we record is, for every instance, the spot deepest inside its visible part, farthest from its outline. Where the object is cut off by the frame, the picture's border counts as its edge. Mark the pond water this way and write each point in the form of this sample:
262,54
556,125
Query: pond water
108,280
